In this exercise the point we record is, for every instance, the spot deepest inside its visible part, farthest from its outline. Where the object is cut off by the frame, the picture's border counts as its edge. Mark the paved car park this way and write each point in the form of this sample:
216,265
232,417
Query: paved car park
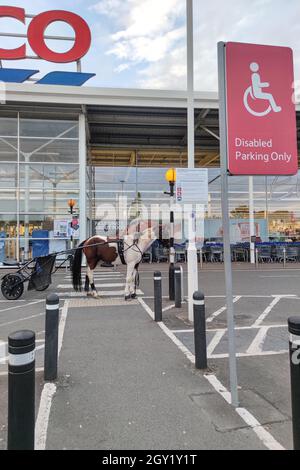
29,313
264,299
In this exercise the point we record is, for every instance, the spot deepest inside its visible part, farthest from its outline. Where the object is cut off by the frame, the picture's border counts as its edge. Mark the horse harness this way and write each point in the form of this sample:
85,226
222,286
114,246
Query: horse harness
122,250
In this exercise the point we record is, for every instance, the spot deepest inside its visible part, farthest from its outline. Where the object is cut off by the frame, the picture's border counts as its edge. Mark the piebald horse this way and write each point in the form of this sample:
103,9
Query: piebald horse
128,251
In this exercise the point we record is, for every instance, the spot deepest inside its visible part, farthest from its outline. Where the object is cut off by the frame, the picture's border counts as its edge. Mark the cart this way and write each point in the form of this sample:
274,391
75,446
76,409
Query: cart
38,272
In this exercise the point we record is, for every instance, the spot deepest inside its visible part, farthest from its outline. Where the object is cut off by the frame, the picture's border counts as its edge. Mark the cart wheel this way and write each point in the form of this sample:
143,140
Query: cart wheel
12,286
41,289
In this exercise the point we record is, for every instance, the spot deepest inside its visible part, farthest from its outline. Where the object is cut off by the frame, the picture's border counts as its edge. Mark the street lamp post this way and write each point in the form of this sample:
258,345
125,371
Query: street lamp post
171,179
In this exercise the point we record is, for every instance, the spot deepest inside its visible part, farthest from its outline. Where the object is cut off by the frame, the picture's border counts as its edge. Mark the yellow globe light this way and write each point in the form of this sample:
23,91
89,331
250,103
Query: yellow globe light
171,175
71,203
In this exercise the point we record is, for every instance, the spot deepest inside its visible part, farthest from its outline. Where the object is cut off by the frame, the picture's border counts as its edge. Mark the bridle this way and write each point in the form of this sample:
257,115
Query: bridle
133,246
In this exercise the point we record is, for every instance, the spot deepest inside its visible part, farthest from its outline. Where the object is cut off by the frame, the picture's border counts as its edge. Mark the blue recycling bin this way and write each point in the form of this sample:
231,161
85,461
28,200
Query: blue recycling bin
40,247
2,247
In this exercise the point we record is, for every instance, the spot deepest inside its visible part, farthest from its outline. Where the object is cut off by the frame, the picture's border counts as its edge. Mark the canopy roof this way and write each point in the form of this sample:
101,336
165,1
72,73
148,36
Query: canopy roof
128,127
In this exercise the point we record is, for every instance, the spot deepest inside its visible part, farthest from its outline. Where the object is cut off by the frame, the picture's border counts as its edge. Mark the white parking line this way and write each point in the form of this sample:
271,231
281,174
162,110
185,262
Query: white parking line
3,349
178,343
256,346
252,296
22,319
49,390
268,310
21,306
41,425
62,325
216,314
221,310
279,277
268,440
215,330
257,354
215,341
147,308
168,308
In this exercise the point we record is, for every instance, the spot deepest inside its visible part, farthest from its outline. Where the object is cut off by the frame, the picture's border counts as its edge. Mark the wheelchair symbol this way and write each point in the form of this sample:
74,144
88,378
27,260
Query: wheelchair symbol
255,92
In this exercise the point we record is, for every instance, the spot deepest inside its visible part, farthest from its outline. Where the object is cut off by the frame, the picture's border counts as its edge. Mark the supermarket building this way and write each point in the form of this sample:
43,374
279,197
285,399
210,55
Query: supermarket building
60,142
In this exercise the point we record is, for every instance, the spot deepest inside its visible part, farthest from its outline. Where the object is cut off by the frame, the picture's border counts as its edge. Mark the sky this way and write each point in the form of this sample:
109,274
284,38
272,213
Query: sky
142,43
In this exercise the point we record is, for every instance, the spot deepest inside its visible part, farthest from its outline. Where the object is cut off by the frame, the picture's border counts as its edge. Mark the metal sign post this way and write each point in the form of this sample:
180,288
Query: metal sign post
226,225
192,252
257,135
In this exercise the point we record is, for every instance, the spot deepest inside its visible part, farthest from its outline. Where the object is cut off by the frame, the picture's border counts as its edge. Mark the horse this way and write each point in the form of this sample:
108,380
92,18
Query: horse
127,251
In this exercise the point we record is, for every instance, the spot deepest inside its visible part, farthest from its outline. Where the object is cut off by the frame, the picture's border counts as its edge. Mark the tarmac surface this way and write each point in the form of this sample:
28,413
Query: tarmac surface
125,384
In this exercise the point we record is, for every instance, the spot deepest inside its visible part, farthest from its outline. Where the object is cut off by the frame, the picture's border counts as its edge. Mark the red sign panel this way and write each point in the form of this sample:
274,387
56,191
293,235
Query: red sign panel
36,35
261,115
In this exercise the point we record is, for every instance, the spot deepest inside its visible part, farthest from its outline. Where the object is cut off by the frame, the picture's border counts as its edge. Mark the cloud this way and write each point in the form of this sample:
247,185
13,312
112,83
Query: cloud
167,74
121,68
109,8
146,48
259,21
148,30
150,17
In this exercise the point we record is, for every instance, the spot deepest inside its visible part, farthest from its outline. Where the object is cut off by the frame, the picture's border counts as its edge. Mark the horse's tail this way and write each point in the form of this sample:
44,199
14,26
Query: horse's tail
76,268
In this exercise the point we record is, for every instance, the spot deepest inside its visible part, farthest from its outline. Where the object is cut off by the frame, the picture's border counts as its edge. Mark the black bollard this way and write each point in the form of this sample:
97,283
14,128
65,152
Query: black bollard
157,297
294,330
178,288
51,337
200,331
21,390
172,282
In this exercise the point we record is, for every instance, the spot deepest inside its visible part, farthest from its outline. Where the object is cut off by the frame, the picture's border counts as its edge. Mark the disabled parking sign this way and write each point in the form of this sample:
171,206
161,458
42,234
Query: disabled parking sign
261,115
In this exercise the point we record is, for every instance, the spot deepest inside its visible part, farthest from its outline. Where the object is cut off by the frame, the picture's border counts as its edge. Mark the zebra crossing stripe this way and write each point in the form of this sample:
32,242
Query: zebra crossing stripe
96,278
108,293
69,286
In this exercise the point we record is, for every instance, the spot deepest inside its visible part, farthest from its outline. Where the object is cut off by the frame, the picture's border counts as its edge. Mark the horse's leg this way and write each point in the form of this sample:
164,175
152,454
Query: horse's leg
129,281
90,275
135,282
87,284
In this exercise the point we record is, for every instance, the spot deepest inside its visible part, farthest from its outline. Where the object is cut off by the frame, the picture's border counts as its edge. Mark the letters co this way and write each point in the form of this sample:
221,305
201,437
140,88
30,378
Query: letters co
36,39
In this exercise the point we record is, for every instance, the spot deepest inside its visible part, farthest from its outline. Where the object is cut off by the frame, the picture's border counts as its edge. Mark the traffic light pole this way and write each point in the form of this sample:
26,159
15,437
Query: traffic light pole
172,249
71,210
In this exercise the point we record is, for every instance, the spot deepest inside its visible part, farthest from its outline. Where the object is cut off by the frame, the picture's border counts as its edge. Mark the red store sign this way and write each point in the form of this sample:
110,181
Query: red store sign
261,115
36,33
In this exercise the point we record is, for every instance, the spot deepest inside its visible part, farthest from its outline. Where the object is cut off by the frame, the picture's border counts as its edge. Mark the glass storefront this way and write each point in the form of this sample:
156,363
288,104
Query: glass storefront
276,201
39,173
